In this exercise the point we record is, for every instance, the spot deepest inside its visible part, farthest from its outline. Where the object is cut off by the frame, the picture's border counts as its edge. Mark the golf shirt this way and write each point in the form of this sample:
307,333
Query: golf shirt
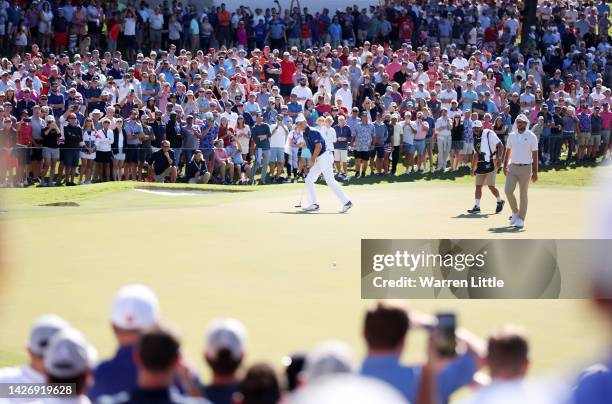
364,133
312,138
115,375
522,145
133,128
594,385
406,379
380,132
258,130
207,139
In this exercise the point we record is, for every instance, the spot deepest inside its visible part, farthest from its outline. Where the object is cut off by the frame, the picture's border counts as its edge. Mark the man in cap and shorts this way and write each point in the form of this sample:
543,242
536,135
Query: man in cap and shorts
134,309
486,159
43,329
224,352
520,164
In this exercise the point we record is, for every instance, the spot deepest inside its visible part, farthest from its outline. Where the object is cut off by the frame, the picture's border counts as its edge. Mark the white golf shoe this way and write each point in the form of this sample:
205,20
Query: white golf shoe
513,219
346,207
312,208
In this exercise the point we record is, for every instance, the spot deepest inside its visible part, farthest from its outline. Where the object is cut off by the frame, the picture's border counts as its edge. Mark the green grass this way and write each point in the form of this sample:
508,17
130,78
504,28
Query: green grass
247,255
574,175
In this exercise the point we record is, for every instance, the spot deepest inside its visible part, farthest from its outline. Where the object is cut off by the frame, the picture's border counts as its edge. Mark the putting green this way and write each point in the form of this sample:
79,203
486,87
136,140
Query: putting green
250,256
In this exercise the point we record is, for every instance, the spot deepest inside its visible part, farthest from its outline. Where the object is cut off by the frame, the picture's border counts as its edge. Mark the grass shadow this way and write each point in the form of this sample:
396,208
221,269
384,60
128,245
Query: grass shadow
505,229
471,216
410,177
301,212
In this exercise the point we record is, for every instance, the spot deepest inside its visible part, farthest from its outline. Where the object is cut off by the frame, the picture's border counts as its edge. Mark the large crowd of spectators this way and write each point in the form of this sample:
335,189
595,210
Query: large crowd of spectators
103,91
149,366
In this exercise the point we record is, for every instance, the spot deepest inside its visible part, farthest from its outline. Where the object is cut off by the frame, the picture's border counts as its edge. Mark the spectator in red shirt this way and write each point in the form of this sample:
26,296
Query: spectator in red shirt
223,26
322,107
286,75
24,144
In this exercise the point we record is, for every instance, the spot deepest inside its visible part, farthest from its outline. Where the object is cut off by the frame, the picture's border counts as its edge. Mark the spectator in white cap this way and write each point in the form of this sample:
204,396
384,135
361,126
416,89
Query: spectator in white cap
330,357
43,329
134,308
520,165
224,353
69,359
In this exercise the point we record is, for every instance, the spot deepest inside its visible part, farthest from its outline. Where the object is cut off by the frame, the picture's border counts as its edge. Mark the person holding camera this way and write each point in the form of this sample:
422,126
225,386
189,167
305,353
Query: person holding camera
197,170
486,160
73,138
385,329
51,140
277,149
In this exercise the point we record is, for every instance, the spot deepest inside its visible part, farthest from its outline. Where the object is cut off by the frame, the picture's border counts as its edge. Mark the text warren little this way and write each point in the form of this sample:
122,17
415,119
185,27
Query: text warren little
431,282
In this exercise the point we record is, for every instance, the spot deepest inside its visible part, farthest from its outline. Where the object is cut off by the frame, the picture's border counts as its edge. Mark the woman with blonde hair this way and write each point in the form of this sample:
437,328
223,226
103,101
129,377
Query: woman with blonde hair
88,153
119,148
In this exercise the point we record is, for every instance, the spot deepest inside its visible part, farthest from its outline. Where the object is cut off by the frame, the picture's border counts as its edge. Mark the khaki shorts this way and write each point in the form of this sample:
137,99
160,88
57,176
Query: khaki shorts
584,139
487,179
595,140
341,155
162,176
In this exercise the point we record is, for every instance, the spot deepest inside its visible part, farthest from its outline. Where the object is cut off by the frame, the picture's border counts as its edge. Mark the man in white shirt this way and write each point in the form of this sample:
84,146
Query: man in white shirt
344,93
460,62
41,333
231,116
328,133
302,91
520,164
421,92
442,132
486,159
447,95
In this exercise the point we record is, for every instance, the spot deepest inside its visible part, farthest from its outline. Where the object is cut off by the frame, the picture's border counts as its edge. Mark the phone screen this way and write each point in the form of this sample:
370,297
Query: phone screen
445,334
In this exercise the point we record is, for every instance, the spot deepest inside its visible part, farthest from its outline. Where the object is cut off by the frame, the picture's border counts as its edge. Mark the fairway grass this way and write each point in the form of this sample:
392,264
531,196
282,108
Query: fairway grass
249,255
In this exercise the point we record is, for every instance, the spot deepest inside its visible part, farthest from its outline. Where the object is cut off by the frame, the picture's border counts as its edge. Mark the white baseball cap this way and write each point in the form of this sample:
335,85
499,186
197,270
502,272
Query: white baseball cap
225,333
300,118
522,117
328,358
477,124
135,307
347,388
43,329
69,354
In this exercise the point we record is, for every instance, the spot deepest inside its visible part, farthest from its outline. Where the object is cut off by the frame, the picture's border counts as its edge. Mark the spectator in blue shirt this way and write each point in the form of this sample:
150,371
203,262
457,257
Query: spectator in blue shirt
385,330
56,100
134,308
208,134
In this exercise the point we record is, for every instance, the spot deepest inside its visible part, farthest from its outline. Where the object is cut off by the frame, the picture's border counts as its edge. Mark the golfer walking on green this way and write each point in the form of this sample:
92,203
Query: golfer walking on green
520,164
